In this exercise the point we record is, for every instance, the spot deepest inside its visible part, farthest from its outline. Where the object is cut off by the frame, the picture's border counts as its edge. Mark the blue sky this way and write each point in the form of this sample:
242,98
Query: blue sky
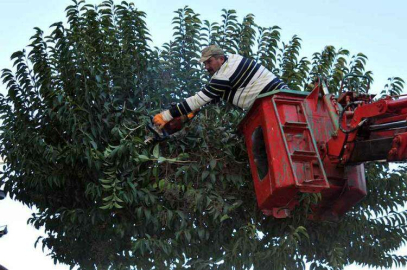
376,28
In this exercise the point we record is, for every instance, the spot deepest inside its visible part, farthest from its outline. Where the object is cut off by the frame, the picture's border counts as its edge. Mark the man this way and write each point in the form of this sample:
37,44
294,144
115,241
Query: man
235,78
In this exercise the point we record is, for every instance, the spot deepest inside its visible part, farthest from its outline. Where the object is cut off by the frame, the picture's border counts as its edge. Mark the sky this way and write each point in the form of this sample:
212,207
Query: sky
373,27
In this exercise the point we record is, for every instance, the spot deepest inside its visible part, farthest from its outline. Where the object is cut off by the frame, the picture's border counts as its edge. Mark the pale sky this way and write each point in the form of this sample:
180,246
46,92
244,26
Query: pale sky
375,28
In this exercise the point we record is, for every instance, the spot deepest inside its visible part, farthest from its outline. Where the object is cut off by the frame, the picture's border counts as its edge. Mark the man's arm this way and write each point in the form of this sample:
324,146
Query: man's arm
192,103
214,90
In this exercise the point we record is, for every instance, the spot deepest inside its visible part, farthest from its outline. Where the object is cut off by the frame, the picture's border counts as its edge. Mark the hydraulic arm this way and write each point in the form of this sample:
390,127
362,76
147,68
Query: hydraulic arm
370,131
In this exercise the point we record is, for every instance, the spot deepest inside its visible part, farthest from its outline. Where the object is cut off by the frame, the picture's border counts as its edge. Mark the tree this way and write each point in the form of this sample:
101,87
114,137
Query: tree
73,137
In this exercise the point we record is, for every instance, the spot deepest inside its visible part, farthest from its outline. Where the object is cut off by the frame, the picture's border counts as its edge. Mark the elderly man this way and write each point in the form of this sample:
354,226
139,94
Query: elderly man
235,78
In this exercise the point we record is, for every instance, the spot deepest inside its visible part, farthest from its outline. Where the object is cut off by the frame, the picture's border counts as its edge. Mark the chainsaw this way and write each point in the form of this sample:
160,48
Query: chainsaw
171,127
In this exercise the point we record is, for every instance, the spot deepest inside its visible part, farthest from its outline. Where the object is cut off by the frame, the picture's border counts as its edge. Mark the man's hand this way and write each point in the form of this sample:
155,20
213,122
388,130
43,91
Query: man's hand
162,118
159,121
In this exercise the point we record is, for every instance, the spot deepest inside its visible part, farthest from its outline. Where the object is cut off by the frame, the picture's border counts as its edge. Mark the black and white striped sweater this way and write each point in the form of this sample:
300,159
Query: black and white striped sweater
239,81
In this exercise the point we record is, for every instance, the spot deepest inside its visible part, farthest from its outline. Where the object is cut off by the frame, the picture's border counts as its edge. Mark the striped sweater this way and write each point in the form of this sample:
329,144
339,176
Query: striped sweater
239,81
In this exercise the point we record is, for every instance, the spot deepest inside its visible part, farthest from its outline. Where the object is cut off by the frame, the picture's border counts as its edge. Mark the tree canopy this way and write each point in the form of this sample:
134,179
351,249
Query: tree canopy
73,129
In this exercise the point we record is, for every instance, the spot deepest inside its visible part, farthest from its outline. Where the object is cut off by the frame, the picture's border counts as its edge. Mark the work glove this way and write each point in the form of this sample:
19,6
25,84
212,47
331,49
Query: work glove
162,118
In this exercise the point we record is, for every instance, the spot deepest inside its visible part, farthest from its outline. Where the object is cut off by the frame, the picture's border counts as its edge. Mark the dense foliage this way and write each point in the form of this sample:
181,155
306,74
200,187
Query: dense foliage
73,139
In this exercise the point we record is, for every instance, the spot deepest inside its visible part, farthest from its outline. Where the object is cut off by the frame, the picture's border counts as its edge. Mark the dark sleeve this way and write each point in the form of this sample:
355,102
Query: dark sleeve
215,90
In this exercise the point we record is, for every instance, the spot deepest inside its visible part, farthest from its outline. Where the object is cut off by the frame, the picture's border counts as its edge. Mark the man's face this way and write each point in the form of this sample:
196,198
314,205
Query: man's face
213,64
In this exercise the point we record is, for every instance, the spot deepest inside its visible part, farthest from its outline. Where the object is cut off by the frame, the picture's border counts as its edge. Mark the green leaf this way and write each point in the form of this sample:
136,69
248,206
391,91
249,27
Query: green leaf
107,206
213,164
161,184
143,157
213,177
106,181
116,205
205,175
188,236
156,151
